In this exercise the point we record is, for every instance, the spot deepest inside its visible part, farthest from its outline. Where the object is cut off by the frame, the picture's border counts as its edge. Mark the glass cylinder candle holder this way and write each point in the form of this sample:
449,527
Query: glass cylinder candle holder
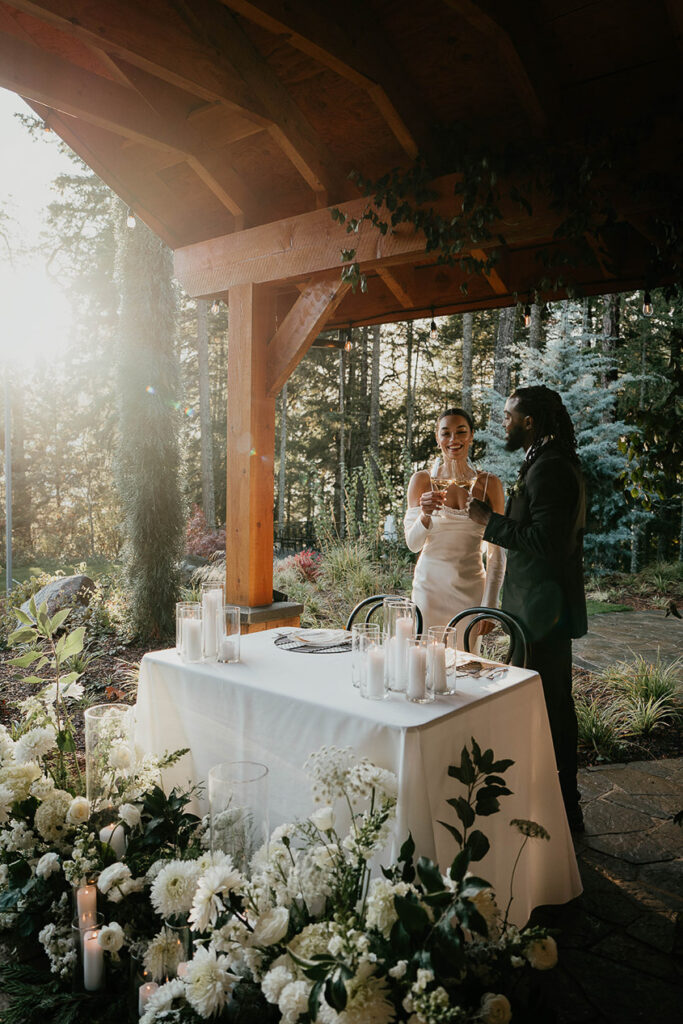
238,810
400,625
212,614
179,612
442,656
189,630
418,683
229,635
109,752
374,679
362,633
89,972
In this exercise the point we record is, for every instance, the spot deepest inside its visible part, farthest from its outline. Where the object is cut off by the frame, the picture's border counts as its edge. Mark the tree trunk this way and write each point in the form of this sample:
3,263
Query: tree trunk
504,337
283,460
586,332
680,536
467,362
535,327
610,335
205,425
409,389
342,443
374,400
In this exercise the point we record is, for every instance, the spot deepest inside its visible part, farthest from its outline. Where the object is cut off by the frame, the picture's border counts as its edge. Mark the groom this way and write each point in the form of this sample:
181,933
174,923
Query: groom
543,529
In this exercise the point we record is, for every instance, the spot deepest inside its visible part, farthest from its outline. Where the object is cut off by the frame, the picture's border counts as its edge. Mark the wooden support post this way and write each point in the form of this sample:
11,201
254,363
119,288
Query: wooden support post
250,450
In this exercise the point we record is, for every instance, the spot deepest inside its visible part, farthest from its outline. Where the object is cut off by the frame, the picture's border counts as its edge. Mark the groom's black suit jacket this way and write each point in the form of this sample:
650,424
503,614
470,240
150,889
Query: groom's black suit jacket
542,529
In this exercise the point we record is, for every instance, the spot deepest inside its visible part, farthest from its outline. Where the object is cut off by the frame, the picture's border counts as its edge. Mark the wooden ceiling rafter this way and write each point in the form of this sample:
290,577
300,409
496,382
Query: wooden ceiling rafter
308,28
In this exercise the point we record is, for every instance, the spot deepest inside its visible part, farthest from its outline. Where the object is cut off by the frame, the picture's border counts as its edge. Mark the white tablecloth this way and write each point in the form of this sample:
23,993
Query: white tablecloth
279,706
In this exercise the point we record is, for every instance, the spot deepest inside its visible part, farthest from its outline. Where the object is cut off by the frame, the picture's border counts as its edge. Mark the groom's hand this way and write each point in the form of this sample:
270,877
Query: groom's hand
478,511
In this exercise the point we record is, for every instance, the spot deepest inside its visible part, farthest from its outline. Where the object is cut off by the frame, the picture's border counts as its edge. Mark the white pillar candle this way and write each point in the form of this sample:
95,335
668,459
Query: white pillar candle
404,631
86,905
374,676
437,666
417,668
147,989
228,651
116,837
93,961
192,639
212,601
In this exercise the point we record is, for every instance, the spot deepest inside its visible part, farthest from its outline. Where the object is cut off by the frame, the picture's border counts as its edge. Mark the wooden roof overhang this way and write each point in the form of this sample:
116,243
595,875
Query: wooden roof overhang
231,126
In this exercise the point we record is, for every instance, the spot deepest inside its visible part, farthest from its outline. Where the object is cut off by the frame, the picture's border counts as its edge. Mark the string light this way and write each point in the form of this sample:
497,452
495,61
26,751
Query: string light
348,344
46,128
433,332
527,315
215,306
648,308
130,219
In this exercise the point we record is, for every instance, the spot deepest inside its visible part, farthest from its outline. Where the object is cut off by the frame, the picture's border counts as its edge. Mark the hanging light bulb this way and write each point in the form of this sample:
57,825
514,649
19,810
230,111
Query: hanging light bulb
648,308
215,306
130,219
433,332
527,315
46,128
348,344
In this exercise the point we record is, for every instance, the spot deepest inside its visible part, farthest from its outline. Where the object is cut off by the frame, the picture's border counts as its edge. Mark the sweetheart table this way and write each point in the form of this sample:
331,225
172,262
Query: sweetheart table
277,706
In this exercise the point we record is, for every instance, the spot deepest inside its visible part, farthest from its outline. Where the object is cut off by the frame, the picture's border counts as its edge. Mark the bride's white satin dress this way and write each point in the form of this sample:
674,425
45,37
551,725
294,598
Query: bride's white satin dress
450,574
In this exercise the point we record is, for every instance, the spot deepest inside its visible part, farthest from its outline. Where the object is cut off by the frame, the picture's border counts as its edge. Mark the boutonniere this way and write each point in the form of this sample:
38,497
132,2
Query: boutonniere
517,488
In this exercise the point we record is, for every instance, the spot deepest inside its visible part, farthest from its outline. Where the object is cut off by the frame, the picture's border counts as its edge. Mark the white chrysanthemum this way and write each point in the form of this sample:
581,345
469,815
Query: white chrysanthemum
163,954
34,745
111,879
162,1000
293,1001
19,778
381,912
154,870
208,982
72,691
6,746
47,865
271,927
6,801
79,811
50,816
207,903
274,982
495,1009
111,937
323,818
174,887
367,1003
542,953
130,814
120,756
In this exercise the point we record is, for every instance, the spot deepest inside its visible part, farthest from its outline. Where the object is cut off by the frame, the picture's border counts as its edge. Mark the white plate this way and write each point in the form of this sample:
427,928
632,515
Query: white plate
321,637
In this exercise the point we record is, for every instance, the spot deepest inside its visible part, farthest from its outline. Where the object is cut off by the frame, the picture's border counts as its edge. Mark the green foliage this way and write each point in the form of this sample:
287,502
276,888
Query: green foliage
601,726
651,690
35,997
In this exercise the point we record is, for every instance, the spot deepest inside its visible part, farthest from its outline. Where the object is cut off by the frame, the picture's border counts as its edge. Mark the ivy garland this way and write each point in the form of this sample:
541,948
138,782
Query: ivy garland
577,179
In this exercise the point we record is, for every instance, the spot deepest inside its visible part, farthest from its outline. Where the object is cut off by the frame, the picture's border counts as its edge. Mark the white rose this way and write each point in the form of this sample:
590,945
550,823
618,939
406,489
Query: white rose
120,756
495,1009
130,814
79,811
111,937
323,818
47,865
271,927
542,954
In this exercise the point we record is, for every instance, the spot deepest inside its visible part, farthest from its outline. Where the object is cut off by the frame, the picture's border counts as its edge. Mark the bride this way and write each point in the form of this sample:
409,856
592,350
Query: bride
450,575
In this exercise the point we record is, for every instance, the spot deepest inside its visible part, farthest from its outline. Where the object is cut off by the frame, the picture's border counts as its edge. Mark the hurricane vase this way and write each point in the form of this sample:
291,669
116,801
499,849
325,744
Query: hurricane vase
238,808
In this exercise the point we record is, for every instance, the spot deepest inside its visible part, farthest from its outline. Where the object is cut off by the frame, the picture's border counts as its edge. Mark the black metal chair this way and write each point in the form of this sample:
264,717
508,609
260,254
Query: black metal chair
519,640
373,605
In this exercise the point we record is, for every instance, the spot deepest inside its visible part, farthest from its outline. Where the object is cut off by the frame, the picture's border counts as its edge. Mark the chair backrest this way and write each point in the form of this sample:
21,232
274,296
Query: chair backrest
512,626
366,609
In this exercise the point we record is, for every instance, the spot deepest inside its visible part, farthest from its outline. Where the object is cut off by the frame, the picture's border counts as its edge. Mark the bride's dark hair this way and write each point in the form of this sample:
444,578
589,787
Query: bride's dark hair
456,412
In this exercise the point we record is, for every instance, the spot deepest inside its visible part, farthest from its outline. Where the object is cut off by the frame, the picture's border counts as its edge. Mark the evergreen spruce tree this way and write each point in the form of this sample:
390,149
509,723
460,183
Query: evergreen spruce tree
148,458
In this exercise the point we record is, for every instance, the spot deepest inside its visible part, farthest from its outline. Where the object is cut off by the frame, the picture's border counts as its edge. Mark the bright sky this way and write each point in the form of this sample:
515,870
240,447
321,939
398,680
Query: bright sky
35,317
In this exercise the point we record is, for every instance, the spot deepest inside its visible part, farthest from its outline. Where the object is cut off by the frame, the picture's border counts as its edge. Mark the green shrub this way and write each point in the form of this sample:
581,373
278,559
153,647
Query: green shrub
601,726
641,681
643,715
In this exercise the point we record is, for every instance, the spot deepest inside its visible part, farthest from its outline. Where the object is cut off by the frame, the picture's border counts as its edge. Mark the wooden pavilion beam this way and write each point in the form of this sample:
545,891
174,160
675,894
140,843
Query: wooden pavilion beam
313,29
301,326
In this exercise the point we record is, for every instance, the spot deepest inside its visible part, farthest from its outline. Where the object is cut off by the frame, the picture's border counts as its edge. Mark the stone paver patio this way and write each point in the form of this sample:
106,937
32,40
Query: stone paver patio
620,636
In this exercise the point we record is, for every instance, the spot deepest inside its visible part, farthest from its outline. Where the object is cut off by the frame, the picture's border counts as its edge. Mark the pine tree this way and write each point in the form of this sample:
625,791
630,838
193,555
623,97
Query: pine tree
148,455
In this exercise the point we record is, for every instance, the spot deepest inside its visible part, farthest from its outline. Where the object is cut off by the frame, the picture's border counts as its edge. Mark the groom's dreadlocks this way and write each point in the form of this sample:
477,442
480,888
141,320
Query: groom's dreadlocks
550,417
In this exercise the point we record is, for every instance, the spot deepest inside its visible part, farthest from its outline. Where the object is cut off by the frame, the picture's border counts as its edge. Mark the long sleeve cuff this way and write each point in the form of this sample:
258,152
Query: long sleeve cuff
415,532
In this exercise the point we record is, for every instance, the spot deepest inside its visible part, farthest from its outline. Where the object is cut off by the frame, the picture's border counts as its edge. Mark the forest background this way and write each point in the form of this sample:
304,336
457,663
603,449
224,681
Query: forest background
356,417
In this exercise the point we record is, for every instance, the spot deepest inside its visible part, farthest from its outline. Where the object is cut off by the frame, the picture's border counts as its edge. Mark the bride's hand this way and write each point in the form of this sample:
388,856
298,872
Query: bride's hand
483,627
431,501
